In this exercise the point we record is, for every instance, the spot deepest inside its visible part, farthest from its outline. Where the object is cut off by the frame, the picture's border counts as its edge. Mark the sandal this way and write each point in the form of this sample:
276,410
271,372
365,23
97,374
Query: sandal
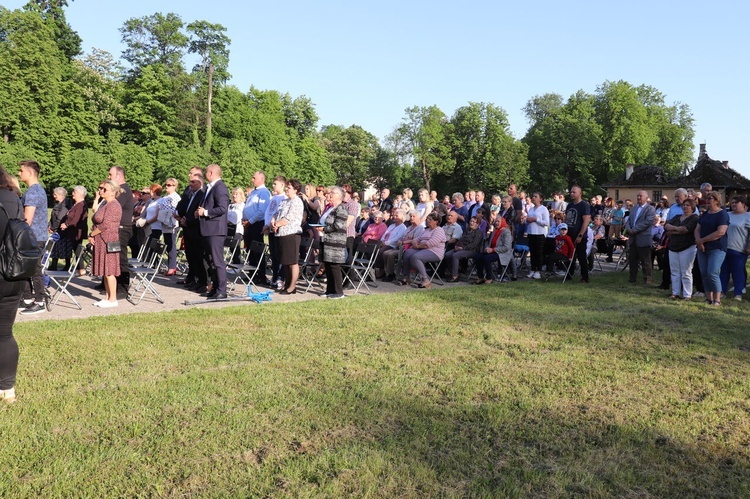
716,303
673,297
453,279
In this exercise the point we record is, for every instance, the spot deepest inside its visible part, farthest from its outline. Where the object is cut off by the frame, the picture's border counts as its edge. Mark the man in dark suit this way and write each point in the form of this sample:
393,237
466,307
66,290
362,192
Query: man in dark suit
480,203
185,213
638,229
212,218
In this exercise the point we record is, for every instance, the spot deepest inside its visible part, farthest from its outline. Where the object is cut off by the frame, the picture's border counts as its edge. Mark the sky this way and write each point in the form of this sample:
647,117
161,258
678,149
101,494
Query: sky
364,63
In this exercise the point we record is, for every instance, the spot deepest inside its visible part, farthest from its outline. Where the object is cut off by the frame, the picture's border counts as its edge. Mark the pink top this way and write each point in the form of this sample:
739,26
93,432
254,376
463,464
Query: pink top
374,232
434,239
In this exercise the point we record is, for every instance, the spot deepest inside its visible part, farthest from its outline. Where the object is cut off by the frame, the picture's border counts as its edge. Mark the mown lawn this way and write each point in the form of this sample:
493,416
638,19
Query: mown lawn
521,390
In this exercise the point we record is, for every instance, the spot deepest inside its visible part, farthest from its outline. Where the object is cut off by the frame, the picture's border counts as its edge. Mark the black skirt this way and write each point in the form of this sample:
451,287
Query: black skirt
289,246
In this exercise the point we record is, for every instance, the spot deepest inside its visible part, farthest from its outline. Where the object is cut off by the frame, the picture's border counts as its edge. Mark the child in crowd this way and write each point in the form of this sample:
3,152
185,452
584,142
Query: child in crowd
564,249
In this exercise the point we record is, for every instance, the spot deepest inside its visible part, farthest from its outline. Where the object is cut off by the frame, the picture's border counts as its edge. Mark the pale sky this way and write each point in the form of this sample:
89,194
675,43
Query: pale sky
364,63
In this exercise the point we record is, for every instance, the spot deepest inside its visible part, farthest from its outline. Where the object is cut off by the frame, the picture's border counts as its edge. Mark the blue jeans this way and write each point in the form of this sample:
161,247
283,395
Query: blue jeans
710,265
734,265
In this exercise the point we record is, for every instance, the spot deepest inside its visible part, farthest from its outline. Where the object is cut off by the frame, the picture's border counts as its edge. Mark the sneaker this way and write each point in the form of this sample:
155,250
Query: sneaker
536,275
560,273
8,396
335,297
531,275
738,297
34,308
106,304
698,294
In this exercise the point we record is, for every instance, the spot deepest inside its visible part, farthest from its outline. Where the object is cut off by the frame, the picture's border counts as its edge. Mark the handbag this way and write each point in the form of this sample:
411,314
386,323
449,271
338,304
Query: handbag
114,247
165,216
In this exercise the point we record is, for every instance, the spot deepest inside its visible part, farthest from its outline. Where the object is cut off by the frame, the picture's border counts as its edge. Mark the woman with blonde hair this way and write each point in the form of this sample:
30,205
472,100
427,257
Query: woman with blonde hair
406,203
106,230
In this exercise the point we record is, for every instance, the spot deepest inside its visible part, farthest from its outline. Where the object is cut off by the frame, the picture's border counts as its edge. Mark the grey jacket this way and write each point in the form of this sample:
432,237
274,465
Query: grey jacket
639,231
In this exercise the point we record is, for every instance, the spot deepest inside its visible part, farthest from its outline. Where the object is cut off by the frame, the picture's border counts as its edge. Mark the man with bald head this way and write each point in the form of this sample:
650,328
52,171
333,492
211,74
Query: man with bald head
638,229
212,219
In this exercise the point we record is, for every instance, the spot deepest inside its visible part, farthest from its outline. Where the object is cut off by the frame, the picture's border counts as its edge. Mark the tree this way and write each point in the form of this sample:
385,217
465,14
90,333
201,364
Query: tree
154,39
52,12
31,69
627,134
352,152
212,45
486,154
421,139
564,146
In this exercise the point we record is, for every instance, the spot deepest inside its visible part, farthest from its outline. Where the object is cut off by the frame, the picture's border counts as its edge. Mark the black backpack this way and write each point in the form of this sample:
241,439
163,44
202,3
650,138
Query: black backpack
19,252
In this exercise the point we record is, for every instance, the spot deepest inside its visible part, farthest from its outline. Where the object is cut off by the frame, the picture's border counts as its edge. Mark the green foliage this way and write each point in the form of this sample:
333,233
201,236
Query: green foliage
590,138
486,154
135,159
80,167
565,147
154,39
422,139
68,40
211,44
352,151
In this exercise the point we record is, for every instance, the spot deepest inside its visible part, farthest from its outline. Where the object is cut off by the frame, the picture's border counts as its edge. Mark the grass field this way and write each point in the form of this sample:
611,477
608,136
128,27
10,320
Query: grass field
522,390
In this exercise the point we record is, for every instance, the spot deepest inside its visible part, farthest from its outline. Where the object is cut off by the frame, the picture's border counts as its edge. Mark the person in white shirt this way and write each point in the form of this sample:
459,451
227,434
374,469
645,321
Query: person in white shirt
537,224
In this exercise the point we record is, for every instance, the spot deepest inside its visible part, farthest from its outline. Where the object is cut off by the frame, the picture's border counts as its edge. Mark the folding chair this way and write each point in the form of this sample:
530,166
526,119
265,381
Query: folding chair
182,263
47,252
61,278
361,267
570,266
142,278
309,263
245,272
142,258
432,267
520,253
552,272
231,247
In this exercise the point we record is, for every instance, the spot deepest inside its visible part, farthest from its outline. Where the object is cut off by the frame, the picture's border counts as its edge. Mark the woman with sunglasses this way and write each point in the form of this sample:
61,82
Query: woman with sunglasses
106,230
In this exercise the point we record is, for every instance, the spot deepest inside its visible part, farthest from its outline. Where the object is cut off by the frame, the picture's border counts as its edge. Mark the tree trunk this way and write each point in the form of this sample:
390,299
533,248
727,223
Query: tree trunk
425,175
209,133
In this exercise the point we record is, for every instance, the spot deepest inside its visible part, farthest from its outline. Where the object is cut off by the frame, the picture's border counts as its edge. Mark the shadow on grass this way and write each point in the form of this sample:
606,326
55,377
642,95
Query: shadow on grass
402,446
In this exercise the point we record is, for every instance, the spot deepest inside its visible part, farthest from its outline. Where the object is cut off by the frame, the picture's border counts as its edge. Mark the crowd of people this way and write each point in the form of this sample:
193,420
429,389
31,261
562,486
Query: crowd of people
699,244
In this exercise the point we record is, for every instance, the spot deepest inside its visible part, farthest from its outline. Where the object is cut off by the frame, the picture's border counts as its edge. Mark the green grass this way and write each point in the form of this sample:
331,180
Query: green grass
520,390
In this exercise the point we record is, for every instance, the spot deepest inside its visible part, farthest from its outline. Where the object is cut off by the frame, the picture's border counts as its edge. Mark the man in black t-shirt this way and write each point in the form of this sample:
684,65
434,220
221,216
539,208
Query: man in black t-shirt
578,217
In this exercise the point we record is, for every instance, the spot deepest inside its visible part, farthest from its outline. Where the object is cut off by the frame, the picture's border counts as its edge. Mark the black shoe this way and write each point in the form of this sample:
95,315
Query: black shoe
211,293
99,287
190,286
217,296
287,292
388,278
200,289
35,308
662,286
609,260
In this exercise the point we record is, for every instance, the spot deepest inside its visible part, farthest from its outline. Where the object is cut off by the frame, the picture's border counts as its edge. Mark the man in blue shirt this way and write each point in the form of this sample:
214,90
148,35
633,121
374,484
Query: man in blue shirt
253,216
34,203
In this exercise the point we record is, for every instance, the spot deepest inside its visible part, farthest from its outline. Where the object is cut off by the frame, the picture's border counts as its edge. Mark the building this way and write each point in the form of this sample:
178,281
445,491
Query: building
723,179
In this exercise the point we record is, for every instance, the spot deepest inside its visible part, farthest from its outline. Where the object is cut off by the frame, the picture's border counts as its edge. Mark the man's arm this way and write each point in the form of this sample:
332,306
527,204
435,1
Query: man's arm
28,213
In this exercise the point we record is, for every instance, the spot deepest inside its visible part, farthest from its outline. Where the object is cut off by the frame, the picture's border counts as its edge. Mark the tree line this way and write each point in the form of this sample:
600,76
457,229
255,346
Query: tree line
148,111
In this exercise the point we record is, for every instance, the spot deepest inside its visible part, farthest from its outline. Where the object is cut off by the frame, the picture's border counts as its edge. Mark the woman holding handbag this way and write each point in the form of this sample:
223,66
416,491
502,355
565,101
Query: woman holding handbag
105,238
